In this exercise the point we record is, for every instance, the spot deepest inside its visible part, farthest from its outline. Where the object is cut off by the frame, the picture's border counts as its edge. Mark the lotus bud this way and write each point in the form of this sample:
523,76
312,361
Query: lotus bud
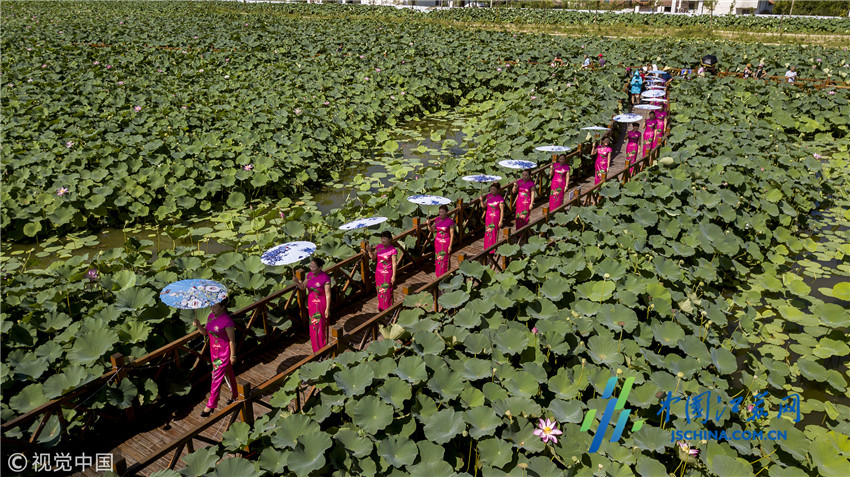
680,375
606,276
621,324
600,466
583,361
522,465
660,394
619,371
703,442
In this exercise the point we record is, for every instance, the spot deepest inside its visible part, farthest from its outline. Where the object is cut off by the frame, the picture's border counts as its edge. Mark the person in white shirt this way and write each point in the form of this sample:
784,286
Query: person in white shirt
791,74
586,62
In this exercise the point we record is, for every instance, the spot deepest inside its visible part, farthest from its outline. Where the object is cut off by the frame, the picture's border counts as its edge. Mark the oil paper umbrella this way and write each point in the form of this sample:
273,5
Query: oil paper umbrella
656,100
514,164
646,107
287,253
481,178
656,72
425,199
628,118
653,93
363,223
193,294
595,130
553,149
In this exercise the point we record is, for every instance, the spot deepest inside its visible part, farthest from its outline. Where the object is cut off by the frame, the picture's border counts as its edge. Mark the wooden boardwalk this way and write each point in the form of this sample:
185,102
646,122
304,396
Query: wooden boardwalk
161,426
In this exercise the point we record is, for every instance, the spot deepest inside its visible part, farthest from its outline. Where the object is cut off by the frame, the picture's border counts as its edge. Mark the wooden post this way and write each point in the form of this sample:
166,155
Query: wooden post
338,337
626,171
302,301
364,268
417,256
459,221
119,463
545,213
246,413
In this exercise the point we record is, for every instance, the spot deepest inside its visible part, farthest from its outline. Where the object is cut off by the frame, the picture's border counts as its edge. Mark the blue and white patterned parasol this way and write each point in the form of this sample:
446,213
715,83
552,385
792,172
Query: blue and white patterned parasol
656,87
287,253
656,72
429,200
514,164
647,107
552,148
628,118
656,100
361,223
653,93
594,128
193,294
481,178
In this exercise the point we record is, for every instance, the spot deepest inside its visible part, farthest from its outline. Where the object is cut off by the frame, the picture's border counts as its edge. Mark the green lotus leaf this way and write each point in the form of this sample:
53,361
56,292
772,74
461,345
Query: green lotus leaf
453,299
411,369
273,461
482,421
353,443
28,399
596,291
554,288
92,345
291,429
370,413
495,452
133,299
447,383
354,381
604,350
428,343
443,425
651,438
395,391
237,436
398,452
727,465
812,370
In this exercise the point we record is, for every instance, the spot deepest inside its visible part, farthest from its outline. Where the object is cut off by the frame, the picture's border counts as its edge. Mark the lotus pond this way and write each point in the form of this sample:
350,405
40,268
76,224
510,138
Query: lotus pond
708,274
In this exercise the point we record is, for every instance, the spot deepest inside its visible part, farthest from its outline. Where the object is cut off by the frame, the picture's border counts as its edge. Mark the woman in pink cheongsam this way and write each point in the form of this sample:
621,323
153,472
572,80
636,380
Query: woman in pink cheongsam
444,227
524,198
633,145
318,302
220,330
560,173
603,160
649,133
494,212
386,269
660,123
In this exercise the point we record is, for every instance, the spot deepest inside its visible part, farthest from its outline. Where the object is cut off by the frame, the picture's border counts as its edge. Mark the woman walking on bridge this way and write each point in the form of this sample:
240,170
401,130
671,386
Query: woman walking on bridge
386,269
633,145
494,212
220,330
603,160
649,133
660,124
560,173
524,199
318,302
445,229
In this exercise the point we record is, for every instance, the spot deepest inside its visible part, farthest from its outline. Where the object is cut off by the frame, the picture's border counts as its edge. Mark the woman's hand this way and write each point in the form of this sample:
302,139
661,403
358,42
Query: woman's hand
196,323
232,359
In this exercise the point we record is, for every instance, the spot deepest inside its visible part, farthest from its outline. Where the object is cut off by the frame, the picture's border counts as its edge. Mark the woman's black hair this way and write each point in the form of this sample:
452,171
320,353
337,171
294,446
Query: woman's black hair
318,261
387,234
444,207
561,155
496,185
635,125
224,303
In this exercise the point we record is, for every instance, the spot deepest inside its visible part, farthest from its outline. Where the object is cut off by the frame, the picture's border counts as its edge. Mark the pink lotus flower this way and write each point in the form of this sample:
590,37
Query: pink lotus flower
816,156
366,78
44,66
91,274
831,93
29,80
402,93
361,57
159,71
196,36
61,32
226,76
226,60
377,70
108,67
686,450
297,111
392,97
281,214
326,103
120,23
61,191
201,70
120,83
534,330
547,430
498,69
184,107
248,167
402,61
29,49
137,109
534,97
818,60
69,144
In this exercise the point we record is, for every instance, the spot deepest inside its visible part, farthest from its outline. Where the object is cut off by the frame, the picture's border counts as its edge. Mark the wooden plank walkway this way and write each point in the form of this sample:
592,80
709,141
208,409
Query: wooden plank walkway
161,426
